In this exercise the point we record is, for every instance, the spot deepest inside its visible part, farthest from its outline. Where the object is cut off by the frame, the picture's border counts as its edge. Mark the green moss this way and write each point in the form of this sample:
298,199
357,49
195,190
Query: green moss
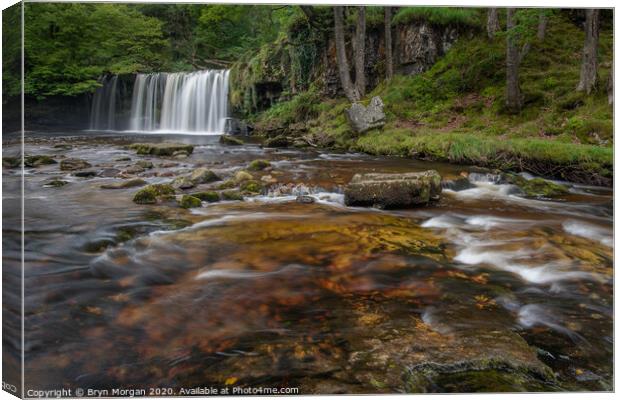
230,140
242,176
38,160
439,15
538,187
232,195
161,149
210,197
188,201
251,187
150,193
258,165
229,184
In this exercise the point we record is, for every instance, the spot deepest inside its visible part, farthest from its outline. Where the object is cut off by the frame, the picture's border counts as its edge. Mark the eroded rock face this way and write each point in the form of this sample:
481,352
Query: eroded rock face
363,119
419,46
393,190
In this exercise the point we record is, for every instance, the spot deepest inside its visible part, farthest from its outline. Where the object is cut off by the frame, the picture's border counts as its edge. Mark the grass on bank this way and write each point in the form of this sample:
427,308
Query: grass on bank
455,111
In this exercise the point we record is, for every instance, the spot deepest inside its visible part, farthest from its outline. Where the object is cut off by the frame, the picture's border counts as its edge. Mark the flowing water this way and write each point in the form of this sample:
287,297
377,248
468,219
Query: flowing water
192,102
323,297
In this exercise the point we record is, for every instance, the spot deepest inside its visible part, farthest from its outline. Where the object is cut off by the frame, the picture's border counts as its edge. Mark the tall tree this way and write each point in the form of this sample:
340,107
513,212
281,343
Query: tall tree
389,62
492,22
610,86
542,25
587,80
341,57
360,51
513,59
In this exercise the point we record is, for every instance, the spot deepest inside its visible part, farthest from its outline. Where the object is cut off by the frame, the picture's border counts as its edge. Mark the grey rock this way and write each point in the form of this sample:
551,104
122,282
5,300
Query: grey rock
305,199
393,190
124,184
88,173
363,119
72,164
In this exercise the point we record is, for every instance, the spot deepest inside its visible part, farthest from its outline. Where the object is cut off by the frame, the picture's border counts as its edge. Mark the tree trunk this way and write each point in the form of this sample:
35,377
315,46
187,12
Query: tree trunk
360,51
389,62
341,56
513,92
492,22
610,86
542,25
587,80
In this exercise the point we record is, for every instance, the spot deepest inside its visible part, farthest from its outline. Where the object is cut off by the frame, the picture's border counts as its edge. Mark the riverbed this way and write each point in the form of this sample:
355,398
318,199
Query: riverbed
485,290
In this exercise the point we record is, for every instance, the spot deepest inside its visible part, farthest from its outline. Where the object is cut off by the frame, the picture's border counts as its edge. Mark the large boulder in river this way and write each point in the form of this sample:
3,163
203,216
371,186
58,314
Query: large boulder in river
393,190
363,119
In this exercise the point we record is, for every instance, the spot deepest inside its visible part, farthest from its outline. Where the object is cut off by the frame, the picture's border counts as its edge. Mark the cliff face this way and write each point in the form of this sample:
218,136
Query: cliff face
289,67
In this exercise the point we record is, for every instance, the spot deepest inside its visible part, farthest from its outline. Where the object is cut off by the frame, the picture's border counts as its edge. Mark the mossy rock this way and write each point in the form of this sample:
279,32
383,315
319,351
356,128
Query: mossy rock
258,165
161,149
145,164
37,161
203,175
537,187
210,197
230,140
229,184
151,193
278,141
55,183
11,162
72,164
188,201
232,195
251,187
242,176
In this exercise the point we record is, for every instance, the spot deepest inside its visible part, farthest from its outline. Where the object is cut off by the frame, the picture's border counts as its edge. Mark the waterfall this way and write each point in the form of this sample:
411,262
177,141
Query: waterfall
103,110
193,102
180,102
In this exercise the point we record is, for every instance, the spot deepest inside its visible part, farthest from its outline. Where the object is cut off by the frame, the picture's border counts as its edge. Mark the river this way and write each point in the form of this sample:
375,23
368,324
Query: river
483,291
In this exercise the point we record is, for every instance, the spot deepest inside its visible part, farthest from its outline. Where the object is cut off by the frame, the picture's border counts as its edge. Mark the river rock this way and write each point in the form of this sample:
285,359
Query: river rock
363,119
536,187
258,165
11,162
393,190
209,197
242,176
152,193
230,140
134,169
145,164
125,184
109,172
38,160
55,183
73,164
188,201
203,175
183,182
305,199
278,141
88,173
161,149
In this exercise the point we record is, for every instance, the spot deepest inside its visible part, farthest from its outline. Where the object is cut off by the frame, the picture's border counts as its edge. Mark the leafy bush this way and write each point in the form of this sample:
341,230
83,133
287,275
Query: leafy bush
439,15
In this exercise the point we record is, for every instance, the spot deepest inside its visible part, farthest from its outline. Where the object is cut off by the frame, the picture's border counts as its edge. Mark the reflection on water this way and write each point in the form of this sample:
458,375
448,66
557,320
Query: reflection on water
321,296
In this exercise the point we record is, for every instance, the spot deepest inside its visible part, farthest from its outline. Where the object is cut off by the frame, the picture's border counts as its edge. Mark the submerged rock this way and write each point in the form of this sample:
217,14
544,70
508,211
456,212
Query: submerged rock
125,184
305,199
161,149
145,164
393,190
11,162
232,195
363,119
258,165
55,183
537,187
230,140
88,173
73,164
458,184
188,201
152,193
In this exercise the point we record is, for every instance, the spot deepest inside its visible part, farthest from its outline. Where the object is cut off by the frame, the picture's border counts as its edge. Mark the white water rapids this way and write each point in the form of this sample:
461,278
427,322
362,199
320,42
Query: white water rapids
190,103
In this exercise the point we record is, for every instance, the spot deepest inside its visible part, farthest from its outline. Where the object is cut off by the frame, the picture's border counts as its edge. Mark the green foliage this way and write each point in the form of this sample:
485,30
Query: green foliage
11,51
300,108
68,46
439,15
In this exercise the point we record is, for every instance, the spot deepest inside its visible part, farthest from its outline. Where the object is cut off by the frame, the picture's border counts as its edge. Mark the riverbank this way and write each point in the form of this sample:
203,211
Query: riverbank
455,112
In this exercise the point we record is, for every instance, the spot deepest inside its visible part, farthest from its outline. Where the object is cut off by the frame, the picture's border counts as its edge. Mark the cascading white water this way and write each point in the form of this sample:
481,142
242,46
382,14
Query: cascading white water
180,102
103,110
